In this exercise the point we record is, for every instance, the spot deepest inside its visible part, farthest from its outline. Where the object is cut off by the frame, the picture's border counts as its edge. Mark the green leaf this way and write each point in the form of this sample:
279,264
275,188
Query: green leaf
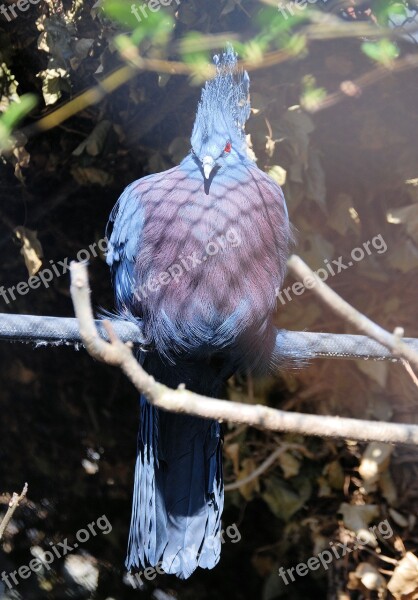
120,11
18,110
191,50
12,117
145,23
312,95
383,51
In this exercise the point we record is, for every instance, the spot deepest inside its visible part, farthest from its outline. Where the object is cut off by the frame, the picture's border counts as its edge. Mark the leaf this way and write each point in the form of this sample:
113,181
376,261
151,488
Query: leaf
334,474
21,158
357,517
232,452
17,111
312,95
290,465
398,518
366,576
94,143
285,500
31,249
54,81
81,49
248,490
229,7
341,218
375,460
120,11
278,174
13,115
404,581
407,216
383,51
91,176
296,44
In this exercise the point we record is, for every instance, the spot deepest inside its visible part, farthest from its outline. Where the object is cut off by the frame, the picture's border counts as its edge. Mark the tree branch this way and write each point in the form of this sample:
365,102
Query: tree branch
393,342
13,504
182,401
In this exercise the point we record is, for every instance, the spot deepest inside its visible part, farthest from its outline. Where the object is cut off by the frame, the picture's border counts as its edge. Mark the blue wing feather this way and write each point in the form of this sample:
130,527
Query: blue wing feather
124,243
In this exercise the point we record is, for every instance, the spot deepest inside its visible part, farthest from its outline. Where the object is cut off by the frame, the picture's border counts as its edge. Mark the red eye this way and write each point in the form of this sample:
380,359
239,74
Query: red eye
228,147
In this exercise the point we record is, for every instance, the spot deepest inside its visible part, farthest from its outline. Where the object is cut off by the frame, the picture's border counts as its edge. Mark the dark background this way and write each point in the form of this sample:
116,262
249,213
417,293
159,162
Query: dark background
68,425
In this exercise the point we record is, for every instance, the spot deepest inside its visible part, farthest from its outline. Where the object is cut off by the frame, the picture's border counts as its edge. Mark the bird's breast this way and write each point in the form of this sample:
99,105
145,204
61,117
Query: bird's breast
208,265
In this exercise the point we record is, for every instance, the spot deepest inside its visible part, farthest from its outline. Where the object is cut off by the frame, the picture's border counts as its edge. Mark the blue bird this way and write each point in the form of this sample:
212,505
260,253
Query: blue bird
196,254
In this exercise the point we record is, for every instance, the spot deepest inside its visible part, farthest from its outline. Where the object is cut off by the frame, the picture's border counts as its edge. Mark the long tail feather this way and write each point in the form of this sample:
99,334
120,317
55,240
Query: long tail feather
178,490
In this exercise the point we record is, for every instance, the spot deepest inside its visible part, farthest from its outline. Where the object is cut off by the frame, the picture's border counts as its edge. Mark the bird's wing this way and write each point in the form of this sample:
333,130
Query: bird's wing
127,218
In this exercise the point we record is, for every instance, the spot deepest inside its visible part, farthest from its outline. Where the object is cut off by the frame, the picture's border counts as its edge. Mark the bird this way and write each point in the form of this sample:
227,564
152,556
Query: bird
196,254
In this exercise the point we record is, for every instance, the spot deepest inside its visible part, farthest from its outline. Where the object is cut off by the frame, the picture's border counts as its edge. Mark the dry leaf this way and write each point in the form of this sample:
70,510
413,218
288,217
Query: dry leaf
334,474
375,460
93,144
357,517
54,81
404,581
91,175
366,576
31,249
284,500
232,452
289,464
408,216
388,487
247,490
398,518
340,217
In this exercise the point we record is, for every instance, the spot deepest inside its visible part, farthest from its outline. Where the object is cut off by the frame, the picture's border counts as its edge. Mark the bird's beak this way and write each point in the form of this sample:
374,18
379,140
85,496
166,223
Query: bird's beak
207,163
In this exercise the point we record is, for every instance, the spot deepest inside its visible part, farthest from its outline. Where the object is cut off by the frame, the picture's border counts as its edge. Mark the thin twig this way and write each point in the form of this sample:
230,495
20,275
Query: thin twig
393,342
183,401
13,504
355,87
228,437
270,460
410,371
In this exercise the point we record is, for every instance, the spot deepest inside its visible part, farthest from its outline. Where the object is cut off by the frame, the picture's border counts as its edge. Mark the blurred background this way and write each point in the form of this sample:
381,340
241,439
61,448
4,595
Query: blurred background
334,92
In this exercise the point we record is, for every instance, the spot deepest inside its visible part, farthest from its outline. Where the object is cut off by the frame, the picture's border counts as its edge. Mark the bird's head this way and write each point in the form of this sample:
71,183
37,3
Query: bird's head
218,137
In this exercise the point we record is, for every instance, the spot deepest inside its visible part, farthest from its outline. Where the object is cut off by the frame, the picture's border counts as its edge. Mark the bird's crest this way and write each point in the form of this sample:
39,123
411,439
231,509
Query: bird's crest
224,98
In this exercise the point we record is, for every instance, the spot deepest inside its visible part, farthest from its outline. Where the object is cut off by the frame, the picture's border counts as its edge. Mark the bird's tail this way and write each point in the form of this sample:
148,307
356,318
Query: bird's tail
178,490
